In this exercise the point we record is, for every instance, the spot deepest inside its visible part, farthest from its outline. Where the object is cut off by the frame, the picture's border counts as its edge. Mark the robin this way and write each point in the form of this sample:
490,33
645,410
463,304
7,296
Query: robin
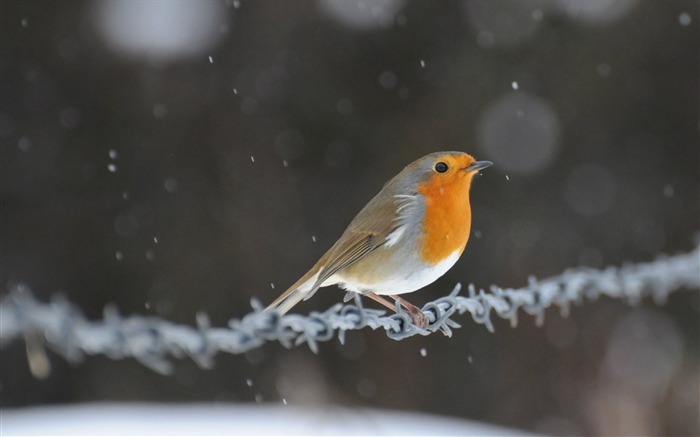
405,238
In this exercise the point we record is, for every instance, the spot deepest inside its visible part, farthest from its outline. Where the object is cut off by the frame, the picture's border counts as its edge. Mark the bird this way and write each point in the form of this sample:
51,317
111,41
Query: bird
410,234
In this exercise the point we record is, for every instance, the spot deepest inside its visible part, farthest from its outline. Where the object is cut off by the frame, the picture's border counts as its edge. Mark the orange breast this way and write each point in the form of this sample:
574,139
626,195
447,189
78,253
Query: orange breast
448,216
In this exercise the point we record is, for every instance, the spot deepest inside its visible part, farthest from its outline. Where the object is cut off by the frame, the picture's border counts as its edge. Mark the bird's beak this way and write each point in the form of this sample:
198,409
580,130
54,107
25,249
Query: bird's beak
478,165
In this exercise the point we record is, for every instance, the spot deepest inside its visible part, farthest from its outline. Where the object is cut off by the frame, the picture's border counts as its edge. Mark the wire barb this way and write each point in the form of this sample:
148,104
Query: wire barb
59,325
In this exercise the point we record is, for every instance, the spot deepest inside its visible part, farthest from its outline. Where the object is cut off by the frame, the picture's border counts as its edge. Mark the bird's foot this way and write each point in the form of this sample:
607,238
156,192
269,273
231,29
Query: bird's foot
417,316
419,319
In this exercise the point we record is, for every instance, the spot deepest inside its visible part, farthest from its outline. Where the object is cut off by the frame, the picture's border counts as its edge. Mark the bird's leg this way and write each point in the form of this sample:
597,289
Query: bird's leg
417,316
375,297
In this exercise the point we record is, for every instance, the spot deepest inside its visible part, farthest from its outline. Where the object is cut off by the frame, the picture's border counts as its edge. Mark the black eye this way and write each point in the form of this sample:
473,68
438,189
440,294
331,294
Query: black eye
441,167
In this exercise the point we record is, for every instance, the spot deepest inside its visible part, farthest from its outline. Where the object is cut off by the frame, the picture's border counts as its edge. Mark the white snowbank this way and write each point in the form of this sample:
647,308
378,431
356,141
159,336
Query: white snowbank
227,419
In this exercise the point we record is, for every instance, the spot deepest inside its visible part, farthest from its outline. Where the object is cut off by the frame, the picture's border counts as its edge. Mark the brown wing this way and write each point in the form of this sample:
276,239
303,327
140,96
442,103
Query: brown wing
367,232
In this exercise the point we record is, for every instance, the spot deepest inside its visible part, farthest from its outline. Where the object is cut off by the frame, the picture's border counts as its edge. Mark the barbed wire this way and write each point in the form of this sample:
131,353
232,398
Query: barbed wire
60,326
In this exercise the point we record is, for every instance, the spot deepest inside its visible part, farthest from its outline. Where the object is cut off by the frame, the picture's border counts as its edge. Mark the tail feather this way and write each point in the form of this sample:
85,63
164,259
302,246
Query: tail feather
281,298
303,289
291,300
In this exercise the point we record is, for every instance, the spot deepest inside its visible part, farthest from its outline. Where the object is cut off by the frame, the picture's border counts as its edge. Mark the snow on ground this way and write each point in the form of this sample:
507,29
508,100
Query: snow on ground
227,419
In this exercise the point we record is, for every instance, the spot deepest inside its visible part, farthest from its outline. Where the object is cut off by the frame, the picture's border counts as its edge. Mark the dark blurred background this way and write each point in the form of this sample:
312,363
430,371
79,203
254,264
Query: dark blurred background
172,157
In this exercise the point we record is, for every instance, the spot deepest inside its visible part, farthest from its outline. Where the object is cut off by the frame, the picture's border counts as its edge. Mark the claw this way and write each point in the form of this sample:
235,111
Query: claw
419,319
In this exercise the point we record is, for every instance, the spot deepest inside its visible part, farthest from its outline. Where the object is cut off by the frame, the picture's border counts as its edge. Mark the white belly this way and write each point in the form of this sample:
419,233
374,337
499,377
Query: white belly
405,279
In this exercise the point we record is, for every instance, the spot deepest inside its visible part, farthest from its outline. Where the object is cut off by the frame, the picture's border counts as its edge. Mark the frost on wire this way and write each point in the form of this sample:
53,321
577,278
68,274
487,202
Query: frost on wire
60,326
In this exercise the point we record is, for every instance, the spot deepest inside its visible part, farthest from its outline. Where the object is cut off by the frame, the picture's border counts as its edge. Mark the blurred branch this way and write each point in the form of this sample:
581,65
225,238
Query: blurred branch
60,326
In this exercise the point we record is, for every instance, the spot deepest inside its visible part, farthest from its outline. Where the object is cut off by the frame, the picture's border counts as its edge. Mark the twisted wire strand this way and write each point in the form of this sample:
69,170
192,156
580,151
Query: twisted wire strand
151,340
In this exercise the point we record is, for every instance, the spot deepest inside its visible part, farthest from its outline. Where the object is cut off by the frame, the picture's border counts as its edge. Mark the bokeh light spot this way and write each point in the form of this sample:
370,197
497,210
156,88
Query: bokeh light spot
519,132
596,11
362,14
503,24
163,30
645,351
590,190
